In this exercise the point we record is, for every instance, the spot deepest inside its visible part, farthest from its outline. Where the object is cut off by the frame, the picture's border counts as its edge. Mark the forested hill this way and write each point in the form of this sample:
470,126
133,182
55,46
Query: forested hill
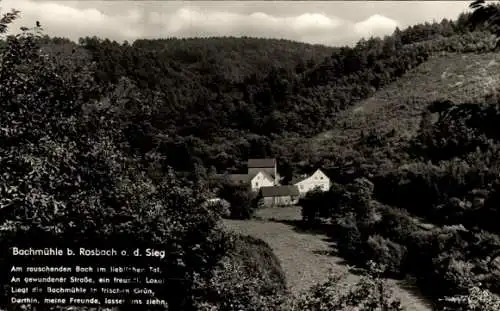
218,101
237,58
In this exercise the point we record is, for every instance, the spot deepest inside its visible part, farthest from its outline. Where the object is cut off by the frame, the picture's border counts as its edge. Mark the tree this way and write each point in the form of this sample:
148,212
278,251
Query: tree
67,176
242,201
486,14
315,205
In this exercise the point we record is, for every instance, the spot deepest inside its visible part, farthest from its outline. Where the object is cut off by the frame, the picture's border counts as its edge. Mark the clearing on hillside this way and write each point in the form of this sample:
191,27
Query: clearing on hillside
398,106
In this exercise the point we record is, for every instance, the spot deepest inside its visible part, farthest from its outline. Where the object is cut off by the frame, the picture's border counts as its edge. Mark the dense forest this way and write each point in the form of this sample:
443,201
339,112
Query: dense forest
115,142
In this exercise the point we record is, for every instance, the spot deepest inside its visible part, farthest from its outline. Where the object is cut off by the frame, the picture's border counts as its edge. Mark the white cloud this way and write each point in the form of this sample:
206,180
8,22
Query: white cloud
62,19
375,25
312,23
192,22
336,23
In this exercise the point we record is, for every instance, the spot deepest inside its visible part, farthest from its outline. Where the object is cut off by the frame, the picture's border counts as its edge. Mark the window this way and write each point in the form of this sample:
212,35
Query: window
256,184
321,178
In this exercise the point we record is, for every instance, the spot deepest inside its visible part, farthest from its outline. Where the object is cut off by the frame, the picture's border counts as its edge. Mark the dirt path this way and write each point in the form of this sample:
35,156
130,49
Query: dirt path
307,258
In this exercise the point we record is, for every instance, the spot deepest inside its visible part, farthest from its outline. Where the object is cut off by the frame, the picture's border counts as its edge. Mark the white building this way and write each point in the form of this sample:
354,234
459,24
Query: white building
318,180
260,173
268,166
255,181
261,179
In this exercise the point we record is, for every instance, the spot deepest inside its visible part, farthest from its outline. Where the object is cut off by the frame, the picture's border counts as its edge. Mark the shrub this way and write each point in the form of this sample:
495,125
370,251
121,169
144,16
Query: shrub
396,224
243,202
250,278
476,299
313,206
350,243
370,293
391,255
457,275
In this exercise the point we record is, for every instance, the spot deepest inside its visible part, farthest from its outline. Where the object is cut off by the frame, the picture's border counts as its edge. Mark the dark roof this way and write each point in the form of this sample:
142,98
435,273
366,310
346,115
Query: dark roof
256,163
280,191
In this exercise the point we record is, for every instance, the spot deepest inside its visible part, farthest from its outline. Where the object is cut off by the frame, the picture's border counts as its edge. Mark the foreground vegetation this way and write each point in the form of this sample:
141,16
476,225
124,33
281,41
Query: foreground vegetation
109,142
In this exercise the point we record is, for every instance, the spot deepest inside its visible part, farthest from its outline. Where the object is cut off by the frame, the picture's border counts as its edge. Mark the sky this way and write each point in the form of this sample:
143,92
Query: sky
330,23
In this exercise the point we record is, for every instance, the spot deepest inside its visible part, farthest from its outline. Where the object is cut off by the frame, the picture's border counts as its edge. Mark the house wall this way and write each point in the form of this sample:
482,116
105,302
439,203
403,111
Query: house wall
318,179
260,180
271,171
279,201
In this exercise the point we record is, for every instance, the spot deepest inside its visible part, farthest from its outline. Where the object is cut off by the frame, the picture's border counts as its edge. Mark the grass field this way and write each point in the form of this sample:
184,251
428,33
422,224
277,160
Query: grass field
307,258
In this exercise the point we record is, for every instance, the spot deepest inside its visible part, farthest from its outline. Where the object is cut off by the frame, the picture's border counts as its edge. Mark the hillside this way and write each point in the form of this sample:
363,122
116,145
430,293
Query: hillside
380,126
398,106
238,58
228,59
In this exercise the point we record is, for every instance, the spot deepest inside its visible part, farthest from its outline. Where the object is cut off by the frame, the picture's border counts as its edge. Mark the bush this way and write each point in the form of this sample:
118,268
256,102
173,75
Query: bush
476,299
319,205
397,225
313,206
458,275
371,293
243,202
250,278
350,243
391,255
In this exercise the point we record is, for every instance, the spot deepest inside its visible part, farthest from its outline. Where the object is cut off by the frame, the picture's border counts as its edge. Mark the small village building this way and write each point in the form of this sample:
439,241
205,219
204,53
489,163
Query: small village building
276,196
268,166
261,179
318,180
